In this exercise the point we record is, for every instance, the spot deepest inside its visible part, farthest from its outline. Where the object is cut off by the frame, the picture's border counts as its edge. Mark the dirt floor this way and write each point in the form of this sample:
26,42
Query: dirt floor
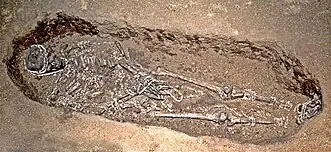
301,26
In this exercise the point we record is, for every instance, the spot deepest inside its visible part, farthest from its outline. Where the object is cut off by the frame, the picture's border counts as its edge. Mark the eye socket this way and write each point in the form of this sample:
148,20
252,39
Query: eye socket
299,108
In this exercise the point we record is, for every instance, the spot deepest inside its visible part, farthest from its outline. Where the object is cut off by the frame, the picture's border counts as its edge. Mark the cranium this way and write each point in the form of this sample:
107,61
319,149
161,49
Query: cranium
40,62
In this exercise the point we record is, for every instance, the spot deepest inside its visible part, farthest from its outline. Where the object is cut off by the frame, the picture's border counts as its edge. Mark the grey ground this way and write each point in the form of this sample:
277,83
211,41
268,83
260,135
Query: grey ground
302,26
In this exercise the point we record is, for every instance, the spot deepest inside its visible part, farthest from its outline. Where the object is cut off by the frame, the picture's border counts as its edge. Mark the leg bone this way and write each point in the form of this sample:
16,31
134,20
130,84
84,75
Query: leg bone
226,93
232,120
219,117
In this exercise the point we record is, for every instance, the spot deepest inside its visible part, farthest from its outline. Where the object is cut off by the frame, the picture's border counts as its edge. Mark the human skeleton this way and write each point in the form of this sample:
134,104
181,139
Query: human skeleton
41,62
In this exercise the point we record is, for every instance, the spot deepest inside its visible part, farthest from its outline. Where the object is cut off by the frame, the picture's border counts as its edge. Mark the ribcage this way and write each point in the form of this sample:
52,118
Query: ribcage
87,74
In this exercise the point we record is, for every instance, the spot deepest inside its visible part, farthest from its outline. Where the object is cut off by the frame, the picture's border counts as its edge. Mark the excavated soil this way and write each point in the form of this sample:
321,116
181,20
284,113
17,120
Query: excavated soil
279,50
213,59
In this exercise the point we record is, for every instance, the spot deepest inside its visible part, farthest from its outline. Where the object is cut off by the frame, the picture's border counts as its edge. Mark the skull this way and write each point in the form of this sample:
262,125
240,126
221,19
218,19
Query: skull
40,62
